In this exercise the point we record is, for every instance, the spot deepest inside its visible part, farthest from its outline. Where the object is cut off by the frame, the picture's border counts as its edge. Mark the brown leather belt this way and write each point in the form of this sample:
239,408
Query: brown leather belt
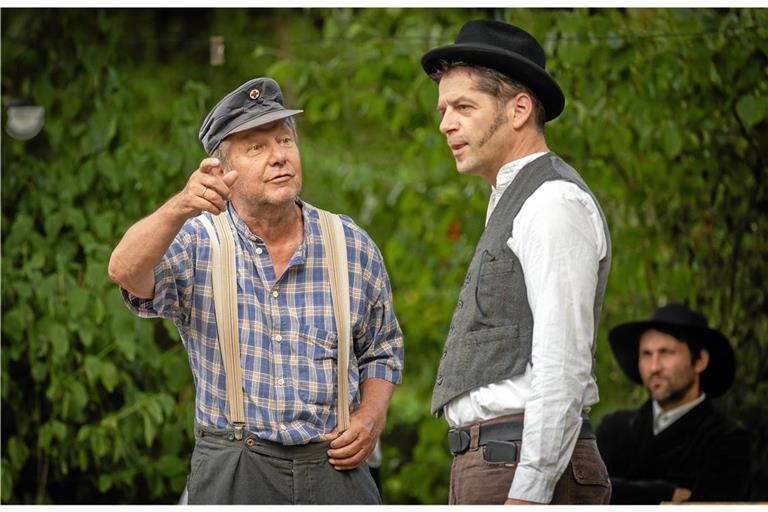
459,439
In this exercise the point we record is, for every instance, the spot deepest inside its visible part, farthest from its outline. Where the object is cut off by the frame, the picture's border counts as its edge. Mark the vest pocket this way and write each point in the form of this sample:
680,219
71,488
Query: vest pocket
495,279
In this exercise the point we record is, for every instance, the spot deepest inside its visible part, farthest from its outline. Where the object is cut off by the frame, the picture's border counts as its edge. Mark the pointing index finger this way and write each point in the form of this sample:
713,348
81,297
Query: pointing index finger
209,164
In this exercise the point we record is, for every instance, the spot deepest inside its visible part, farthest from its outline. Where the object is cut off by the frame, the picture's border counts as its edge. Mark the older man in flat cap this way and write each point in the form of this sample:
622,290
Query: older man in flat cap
272,437
517,377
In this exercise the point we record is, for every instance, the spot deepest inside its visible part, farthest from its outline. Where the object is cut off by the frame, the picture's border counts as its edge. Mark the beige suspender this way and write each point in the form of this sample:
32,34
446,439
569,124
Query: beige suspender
335,244
223,278
225,303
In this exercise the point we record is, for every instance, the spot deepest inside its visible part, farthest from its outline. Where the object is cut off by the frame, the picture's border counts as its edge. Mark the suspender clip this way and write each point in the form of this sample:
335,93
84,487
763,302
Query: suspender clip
239,427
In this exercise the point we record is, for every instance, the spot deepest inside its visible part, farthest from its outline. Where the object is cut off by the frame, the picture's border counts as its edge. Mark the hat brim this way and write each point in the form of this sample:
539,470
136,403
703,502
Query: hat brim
715,379
263,119
511,64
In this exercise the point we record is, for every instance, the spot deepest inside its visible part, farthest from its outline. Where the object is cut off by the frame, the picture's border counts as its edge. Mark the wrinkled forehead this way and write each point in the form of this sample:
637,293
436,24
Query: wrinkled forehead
279,127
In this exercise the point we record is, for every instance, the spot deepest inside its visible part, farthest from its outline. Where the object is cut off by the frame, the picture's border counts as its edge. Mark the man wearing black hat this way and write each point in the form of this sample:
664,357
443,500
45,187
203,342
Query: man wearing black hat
676,447
271,435
516,378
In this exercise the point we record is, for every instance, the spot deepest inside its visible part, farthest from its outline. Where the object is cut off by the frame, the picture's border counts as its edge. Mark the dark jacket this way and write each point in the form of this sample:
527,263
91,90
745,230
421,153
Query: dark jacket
703,451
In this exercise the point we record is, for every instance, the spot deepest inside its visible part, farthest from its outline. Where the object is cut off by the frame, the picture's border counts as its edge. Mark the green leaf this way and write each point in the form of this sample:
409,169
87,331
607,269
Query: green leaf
76,399
18,452
752,109
109,375
149,429
155,410
39,371
671,142
6,478
36,262
92,368
15,322
59,430
59,340
78,301
105,482
176,372
123,329
127,344
170,466
166,402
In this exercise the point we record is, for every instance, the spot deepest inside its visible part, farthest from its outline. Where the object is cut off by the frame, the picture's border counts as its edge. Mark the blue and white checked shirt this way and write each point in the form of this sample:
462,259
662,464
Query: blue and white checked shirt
288,349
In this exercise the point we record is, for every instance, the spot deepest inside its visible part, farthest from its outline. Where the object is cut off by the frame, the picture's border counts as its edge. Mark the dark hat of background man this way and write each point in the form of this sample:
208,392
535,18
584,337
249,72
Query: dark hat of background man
255,103
507,49
686,325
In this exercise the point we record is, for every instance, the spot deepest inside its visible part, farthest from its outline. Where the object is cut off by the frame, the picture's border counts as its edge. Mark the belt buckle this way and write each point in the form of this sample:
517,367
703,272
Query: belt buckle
458,441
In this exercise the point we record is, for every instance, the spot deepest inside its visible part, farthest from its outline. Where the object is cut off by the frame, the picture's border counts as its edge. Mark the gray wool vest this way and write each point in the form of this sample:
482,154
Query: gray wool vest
492,327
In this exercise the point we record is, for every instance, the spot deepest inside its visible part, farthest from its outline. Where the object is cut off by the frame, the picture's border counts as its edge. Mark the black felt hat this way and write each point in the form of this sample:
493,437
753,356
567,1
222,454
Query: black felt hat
507,49
686,325
255,103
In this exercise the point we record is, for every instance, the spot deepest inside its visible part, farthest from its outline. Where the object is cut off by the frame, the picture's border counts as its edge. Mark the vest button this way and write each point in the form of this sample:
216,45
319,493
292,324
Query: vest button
460,304
445,353
439,380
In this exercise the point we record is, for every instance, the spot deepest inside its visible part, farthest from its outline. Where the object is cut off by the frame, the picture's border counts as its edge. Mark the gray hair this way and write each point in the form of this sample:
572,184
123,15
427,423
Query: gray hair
222,150
496,84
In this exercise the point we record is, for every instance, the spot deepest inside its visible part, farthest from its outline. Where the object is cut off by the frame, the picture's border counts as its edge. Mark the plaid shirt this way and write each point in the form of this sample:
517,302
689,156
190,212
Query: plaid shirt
288,349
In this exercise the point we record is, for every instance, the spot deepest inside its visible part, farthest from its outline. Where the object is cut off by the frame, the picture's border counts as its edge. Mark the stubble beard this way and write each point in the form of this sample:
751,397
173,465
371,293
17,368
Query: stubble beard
675,395
478,167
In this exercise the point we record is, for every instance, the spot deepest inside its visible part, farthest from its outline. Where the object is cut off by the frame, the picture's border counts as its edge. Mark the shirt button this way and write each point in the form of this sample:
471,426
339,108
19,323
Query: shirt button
278,337
275,294
280,381
259,250
283,427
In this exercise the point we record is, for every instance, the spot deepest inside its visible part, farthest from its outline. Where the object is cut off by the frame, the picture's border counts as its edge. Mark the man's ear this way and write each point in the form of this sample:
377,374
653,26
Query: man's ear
702,362
520,109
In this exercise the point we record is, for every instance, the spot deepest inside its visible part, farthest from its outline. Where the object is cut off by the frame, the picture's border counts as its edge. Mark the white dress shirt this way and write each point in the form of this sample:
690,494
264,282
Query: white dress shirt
559,239
663,419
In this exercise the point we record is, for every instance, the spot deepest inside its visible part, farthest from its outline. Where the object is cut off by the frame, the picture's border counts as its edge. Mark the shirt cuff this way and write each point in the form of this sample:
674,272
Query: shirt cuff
388,370
532,485
143,308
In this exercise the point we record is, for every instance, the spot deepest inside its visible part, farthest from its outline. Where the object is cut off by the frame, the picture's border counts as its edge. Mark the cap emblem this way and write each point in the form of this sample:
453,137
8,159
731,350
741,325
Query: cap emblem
254,94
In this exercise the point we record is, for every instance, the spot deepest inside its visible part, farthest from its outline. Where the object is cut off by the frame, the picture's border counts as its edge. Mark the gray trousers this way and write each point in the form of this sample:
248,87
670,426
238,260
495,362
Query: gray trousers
254,471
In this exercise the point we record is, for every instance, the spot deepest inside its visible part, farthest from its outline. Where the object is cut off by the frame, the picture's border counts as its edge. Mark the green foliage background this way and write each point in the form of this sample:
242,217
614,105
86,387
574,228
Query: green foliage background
666,118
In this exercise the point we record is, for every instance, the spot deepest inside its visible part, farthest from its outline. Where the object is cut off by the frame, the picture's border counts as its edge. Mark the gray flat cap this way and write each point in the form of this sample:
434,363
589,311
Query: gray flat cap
256,102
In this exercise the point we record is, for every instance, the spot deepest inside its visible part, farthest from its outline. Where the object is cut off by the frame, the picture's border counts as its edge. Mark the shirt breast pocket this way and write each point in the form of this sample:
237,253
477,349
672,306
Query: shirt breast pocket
317,366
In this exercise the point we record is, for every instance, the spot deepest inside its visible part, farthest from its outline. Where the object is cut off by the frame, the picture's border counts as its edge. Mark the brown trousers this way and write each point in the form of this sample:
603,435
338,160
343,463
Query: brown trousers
475,481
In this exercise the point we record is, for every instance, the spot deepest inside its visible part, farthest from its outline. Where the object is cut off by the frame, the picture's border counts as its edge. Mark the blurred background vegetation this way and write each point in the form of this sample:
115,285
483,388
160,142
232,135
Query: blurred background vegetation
666,118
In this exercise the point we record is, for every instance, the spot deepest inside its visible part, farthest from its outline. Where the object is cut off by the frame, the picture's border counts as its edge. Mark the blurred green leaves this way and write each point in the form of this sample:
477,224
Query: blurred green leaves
666,118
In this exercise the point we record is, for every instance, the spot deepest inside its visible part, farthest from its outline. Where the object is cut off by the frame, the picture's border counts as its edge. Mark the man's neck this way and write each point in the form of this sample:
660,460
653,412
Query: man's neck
275,224
527,143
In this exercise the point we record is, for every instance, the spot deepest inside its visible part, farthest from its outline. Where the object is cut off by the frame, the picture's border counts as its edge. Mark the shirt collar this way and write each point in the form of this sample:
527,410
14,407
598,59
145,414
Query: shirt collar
504,177
663,419
510,170
309,215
